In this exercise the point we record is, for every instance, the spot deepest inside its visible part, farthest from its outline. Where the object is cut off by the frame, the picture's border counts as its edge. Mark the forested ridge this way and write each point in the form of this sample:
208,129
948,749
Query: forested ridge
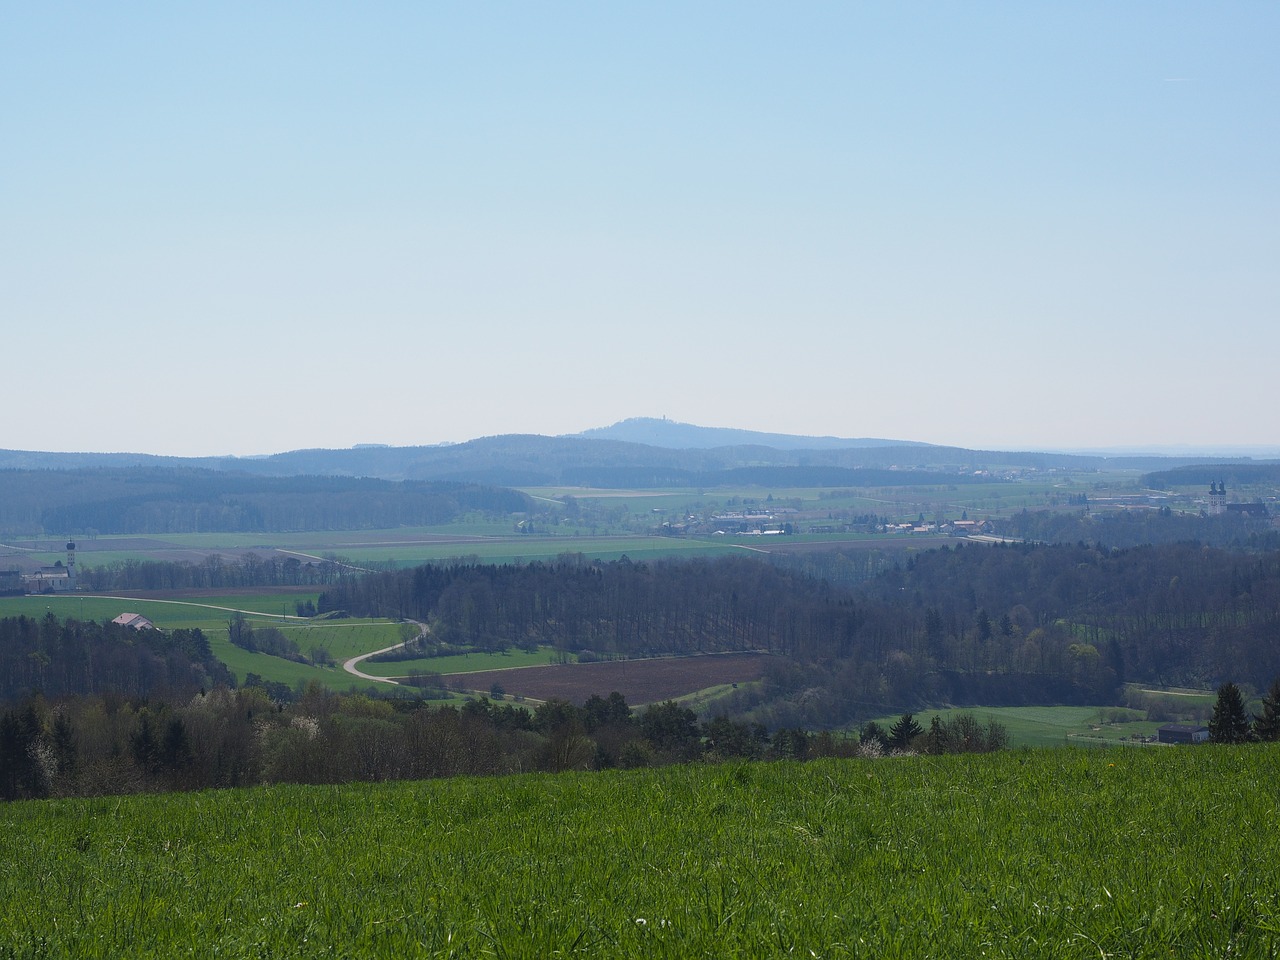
68,657
184,500
213,573
973,624
1124,528
531,460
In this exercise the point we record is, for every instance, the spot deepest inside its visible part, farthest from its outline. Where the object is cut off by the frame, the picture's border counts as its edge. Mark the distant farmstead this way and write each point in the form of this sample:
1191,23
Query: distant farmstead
1182,733
135,620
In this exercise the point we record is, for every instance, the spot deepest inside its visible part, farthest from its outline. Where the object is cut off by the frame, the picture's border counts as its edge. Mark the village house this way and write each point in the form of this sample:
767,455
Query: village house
135,620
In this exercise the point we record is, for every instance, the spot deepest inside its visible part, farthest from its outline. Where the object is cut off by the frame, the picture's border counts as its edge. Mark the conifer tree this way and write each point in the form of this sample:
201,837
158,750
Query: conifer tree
903,732
1229,723
1266,725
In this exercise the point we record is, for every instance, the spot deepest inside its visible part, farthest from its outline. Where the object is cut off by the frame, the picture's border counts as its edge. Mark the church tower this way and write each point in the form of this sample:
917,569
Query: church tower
1217,499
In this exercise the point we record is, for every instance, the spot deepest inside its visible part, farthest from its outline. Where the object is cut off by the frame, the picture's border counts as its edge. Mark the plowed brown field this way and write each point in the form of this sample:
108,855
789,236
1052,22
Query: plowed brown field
640,681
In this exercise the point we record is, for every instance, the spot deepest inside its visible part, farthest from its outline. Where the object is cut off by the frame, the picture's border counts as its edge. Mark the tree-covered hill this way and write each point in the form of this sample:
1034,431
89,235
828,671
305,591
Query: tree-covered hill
1234,475
68,657
182,500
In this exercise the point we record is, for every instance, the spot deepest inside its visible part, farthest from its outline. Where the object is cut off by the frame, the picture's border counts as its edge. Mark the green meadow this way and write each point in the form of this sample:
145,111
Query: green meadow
994,498
613,523
1051,726
1065,853
460,662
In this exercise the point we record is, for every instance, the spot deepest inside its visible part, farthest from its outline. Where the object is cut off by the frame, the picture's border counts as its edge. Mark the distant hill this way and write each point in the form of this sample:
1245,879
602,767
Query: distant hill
673,455
661,432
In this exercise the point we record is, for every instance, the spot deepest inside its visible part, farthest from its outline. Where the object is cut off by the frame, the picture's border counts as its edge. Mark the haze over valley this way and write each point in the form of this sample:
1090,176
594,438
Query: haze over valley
651,480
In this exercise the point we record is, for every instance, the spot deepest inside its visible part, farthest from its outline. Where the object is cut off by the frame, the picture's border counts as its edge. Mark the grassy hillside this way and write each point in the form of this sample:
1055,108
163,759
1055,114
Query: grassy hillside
340,638
1043,853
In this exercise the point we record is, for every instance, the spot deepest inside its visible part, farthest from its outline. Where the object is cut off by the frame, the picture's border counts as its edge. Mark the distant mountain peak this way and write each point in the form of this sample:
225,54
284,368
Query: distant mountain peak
674,435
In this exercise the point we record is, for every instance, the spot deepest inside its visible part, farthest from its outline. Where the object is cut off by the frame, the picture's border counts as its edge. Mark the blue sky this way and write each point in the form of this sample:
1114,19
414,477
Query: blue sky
246,228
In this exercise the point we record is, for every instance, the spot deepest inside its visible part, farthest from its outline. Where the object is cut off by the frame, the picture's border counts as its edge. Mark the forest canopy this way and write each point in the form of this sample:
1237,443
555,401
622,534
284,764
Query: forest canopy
184,500
1008,624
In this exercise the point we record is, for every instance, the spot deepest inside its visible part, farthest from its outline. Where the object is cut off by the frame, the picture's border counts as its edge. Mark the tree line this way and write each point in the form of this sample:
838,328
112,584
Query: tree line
67,657
153,500
214,572
112,744
1125,528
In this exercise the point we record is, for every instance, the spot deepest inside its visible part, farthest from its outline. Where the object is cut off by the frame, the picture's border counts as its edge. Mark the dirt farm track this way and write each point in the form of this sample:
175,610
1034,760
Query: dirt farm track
640,681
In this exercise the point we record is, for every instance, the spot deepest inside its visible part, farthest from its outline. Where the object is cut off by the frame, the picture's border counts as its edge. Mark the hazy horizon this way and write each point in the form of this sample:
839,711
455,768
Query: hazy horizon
247,229
1257,451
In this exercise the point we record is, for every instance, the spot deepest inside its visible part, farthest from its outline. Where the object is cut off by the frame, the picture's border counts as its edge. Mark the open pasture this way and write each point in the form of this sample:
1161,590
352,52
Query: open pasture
472,662
1050,726
640,681
1043,853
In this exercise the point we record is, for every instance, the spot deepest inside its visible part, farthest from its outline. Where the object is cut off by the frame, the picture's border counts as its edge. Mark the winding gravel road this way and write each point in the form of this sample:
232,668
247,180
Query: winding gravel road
351,665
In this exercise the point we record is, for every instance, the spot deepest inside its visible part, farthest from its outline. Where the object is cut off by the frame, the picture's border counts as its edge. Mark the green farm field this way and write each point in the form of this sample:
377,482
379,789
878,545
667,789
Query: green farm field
524,549
996,497
402,548
1040,853
460,663
614,522
1051,726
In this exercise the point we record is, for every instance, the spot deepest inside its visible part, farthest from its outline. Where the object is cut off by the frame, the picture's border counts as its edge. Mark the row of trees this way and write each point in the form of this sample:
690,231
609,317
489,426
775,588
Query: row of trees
108,744
272,641
213,573
962,733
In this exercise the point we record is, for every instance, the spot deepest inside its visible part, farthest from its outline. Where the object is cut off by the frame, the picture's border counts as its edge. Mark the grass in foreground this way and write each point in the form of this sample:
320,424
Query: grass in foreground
1050,853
